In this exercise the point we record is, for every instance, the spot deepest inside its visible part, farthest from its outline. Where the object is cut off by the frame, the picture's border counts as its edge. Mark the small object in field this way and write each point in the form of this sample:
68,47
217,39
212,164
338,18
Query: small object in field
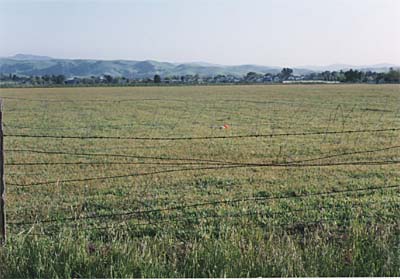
225,126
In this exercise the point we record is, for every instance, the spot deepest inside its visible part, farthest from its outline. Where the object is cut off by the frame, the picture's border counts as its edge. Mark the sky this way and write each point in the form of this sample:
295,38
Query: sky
264,32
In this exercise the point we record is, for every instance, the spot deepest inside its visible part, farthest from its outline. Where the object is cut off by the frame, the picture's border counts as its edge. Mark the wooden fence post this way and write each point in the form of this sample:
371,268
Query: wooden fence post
2,181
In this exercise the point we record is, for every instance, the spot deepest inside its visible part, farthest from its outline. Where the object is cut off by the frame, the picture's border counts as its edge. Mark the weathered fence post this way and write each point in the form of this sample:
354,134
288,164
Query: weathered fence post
2,181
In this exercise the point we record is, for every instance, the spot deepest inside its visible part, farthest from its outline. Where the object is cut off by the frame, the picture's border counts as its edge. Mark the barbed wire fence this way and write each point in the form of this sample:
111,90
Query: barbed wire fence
184,164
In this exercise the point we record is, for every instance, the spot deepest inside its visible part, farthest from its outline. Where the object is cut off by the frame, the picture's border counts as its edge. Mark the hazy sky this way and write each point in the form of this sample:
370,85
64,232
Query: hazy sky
267,32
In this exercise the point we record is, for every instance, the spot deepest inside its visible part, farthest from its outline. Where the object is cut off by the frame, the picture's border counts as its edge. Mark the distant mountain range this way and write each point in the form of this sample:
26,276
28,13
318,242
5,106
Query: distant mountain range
34,65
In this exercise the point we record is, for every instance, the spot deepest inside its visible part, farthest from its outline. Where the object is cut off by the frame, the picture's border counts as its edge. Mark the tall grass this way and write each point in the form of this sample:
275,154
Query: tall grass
361,250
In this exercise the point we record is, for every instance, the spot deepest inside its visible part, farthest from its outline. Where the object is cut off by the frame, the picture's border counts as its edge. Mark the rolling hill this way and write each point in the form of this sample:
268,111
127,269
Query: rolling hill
32,65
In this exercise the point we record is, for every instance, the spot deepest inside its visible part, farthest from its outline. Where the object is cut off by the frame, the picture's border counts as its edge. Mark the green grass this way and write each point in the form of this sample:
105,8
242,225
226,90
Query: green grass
355,233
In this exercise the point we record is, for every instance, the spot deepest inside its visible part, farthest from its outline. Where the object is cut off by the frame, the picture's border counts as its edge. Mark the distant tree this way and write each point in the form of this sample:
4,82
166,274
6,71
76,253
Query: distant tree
353,76
380,78
46,78
285,73
252,76
38,80
340,76
392,76
326,75
108,78
60,79
157,79
116,80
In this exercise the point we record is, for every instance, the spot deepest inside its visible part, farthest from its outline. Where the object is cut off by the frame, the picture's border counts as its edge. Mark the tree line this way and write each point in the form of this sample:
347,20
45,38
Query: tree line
286,74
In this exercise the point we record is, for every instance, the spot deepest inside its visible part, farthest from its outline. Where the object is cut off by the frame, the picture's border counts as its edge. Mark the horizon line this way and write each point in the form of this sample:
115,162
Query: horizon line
207,62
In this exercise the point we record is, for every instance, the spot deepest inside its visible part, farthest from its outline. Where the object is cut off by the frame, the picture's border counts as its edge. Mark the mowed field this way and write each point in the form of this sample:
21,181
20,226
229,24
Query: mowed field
144,182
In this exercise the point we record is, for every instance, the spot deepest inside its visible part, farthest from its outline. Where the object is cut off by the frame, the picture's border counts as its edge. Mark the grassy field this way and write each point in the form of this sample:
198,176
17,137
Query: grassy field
326,204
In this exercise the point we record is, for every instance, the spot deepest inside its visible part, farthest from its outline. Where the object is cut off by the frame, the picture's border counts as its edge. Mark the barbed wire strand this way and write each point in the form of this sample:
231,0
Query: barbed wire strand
113,155
200,160
219,202
270,213
203,138
294,225
362,163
